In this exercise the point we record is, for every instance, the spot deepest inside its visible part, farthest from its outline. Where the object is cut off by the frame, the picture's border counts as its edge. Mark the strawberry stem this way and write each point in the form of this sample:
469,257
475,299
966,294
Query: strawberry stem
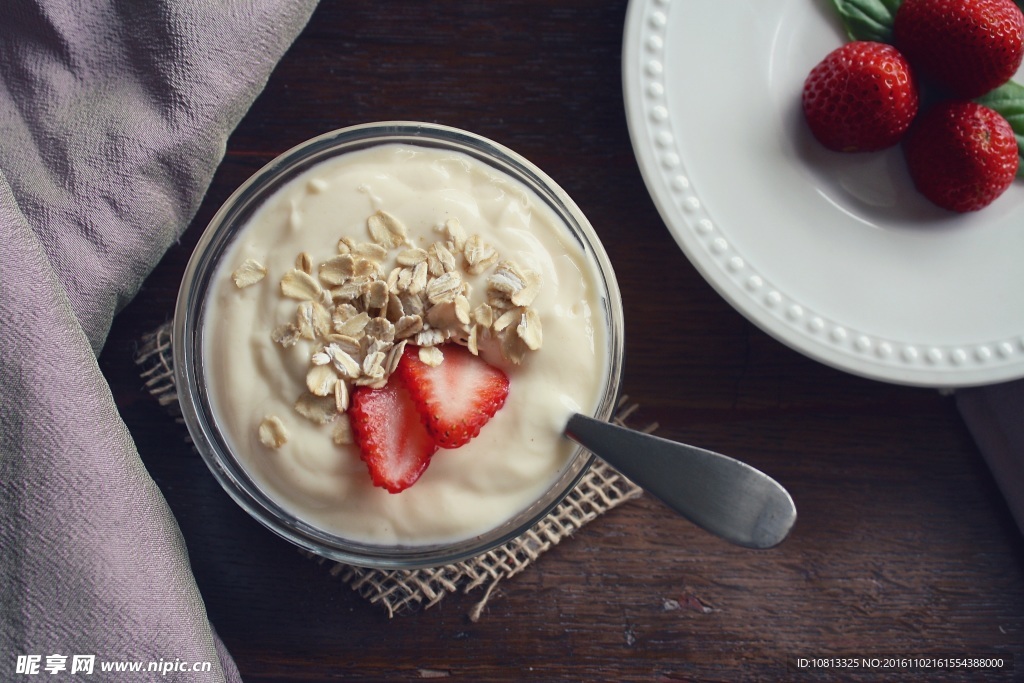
868,19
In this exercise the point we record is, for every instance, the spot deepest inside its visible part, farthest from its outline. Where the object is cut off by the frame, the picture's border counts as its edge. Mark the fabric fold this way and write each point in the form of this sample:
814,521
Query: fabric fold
995,416
113,117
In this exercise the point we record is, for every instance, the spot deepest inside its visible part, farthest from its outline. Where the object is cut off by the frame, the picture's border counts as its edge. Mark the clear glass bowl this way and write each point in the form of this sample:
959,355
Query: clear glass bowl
188,340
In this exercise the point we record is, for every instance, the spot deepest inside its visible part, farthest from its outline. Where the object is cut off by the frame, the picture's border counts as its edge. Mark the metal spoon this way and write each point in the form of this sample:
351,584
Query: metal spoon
717,493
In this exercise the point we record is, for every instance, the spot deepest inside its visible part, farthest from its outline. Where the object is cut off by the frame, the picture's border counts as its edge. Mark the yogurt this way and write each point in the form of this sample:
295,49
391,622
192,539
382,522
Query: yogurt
251,378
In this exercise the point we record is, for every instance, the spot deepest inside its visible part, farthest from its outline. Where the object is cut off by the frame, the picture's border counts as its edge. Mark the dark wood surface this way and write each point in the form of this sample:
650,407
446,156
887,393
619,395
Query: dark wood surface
903,545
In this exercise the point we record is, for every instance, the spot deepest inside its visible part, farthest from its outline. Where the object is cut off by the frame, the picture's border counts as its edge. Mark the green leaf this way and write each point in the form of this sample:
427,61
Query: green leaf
868,19
1008,100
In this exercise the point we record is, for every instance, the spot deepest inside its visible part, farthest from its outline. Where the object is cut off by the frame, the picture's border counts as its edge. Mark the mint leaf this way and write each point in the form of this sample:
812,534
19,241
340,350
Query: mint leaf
868,19
1008,100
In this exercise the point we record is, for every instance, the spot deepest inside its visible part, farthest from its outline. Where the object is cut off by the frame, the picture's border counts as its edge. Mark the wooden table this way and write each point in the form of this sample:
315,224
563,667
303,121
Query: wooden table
904,545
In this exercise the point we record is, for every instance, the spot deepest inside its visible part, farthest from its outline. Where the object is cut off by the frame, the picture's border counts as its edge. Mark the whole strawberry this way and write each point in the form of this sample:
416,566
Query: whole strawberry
961,155
861,97
967,47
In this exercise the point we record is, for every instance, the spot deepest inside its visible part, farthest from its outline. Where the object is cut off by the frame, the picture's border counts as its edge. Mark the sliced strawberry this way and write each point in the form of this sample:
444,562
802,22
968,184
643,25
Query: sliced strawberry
455,398
390,434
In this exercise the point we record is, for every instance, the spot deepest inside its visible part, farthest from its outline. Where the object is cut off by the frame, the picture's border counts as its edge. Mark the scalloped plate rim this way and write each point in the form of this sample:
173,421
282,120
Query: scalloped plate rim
772,310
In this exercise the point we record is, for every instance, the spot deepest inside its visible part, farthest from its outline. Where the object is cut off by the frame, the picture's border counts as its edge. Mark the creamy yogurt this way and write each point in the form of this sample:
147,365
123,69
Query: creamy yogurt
465,491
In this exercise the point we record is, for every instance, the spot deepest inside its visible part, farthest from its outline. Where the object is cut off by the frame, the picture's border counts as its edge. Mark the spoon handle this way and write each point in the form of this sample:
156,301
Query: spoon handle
720,494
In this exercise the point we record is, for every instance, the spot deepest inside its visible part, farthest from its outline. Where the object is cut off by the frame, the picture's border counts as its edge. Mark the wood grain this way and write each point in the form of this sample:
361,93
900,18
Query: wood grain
903,544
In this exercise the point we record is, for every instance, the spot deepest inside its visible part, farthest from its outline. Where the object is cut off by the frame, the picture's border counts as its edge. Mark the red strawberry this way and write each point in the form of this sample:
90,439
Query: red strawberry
390,434
455,398
862,97
961,155
967,47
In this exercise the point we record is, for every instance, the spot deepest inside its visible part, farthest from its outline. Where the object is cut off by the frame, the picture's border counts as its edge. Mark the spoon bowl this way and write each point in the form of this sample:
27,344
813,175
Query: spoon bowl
717,493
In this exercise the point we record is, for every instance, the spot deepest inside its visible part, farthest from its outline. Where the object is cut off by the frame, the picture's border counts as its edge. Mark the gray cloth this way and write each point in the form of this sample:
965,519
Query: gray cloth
113,116
995,416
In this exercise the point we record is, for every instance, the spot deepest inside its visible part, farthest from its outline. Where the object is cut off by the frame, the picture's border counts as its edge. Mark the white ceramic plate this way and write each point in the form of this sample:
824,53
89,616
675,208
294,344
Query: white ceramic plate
835,255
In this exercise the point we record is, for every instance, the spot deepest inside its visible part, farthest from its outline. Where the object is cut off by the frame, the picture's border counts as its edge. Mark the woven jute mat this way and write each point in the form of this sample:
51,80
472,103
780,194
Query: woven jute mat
404,591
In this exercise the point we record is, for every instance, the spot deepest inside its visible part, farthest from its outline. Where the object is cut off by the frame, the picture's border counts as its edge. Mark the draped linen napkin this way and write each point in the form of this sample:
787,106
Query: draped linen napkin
113,116
995,416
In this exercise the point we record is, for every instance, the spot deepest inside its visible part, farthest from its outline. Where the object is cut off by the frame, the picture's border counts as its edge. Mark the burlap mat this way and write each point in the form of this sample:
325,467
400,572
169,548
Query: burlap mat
401,591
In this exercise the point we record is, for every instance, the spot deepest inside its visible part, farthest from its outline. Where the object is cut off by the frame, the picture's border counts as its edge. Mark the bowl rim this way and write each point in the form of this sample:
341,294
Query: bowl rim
187,339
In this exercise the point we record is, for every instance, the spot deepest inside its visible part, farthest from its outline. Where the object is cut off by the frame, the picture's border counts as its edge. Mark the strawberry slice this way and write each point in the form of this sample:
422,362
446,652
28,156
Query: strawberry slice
455,398
390,434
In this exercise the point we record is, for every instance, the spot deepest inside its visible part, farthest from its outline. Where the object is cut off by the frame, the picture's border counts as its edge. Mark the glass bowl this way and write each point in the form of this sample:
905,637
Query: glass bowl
188,341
